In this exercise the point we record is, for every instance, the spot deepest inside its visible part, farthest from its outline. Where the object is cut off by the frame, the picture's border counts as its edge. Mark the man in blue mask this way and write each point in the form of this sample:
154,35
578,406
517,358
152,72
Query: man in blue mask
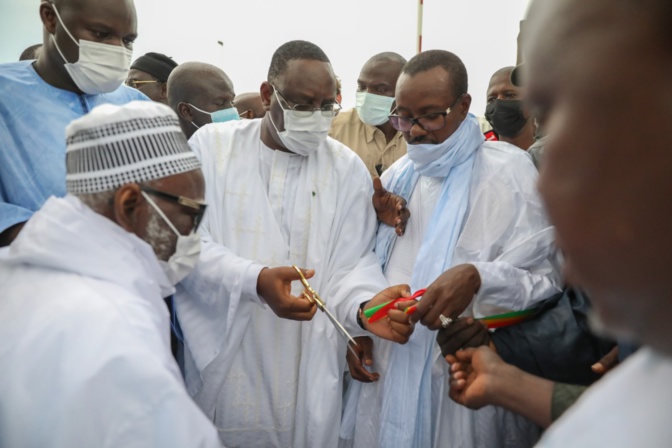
478,239
83,63
366,129
200,94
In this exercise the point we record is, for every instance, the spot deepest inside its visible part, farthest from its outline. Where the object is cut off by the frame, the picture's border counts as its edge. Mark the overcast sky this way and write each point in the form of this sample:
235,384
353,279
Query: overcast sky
481,32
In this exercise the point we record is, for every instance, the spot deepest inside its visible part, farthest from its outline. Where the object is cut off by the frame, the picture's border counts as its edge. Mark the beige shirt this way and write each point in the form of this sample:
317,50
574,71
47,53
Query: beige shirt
368,142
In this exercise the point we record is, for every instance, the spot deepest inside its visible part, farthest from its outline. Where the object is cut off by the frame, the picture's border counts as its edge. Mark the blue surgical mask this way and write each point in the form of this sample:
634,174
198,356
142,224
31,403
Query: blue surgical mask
219,116
373,109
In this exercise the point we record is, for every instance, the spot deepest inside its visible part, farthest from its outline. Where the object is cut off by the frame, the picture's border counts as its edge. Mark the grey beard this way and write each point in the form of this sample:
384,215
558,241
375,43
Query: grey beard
159,236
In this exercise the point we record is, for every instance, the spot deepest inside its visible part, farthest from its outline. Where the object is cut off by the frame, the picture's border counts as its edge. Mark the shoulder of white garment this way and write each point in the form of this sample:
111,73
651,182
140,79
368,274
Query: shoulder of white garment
629,407
345,160
210,138
505,156
506,162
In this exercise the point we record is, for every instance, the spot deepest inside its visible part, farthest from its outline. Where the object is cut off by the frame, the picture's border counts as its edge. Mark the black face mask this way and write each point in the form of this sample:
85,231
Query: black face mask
506,117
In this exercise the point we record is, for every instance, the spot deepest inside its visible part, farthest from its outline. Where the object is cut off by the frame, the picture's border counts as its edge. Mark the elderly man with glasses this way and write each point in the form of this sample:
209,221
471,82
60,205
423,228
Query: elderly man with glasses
259,361
85,348
478,240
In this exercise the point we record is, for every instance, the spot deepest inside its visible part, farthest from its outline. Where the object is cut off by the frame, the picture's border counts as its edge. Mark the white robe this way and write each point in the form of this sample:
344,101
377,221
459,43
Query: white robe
630,407
506,235
84,342
267,381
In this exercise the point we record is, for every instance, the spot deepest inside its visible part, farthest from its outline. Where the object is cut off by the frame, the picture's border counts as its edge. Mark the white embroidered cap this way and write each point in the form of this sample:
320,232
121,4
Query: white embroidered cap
115,145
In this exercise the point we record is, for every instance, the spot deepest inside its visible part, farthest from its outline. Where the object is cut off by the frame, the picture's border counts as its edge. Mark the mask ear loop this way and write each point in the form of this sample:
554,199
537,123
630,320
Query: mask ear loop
202,111
53,38
163,216
64,27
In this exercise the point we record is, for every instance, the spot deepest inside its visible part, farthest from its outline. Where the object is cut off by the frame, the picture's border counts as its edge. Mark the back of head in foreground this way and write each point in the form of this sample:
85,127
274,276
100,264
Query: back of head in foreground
606,172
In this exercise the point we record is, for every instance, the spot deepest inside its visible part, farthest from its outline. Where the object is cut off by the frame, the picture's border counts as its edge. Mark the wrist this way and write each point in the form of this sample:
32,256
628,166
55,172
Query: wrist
260,281
360,313
475,277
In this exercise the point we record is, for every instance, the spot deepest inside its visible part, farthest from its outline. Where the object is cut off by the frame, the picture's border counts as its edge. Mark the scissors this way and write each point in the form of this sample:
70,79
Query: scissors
314,297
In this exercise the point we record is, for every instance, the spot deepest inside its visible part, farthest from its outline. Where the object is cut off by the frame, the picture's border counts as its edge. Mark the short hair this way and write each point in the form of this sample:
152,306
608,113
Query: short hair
187,79
452,64
295,49
30,53
388,56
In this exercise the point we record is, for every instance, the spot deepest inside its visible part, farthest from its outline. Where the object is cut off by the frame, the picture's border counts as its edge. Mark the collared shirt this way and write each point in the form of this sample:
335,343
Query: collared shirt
368,142
33,118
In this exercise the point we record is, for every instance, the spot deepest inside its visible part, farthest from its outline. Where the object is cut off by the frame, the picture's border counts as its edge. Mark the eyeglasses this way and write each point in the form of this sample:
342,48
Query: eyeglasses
187,202
137,84
427,122
306,110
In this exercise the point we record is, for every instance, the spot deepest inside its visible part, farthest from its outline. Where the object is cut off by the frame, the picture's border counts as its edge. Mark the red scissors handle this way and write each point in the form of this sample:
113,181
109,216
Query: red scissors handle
390,305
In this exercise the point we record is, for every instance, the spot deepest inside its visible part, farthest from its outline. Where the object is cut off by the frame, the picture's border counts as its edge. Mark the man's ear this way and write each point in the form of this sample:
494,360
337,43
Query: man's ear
127,201
48,17
464,105
249,114
184,111
164,91
266,92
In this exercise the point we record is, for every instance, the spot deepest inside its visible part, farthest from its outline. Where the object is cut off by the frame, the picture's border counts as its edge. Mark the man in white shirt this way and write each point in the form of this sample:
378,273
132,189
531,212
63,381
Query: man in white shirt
478,239
285,193
84,343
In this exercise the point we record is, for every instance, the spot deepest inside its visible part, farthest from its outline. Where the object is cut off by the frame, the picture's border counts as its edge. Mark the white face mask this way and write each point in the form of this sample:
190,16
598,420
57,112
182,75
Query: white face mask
187,250
101,68
302,135
373,109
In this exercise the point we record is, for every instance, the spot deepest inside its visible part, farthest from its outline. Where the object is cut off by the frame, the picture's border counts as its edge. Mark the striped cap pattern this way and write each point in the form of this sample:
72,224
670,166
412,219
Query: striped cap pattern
115,145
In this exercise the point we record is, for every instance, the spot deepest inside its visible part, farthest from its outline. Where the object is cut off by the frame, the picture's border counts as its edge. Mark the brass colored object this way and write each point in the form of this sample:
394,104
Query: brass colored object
315,298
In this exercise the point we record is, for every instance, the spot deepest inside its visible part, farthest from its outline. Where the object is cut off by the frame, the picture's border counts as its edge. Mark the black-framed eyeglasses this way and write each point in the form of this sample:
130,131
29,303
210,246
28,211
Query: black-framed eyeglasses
306,110
137,84
182,200
427,122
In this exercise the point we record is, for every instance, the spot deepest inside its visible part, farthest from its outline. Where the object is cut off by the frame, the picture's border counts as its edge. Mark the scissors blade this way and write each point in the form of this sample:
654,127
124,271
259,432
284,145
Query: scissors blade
339,326
322,306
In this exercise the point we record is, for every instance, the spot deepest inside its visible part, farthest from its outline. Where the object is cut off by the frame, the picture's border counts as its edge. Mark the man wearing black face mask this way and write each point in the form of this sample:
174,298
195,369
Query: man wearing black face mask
84,61
505,111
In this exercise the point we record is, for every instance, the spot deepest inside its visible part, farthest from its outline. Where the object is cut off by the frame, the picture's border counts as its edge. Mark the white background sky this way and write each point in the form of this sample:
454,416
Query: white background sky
481,32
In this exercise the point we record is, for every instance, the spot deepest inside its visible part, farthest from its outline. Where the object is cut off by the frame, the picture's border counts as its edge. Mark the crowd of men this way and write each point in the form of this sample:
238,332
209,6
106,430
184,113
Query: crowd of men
183,266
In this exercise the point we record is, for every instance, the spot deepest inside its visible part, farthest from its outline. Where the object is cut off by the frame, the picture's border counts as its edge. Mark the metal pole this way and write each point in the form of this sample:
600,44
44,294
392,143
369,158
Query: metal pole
420,5
221,44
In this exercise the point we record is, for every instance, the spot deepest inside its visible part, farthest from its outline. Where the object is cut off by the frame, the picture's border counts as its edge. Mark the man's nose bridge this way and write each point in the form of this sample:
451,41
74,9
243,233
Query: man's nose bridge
416,129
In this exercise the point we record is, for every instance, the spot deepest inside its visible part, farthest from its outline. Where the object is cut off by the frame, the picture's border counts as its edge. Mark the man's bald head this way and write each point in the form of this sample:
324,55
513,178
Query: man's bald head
388,57
201,86
601,73
191,79
249,105
379,75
